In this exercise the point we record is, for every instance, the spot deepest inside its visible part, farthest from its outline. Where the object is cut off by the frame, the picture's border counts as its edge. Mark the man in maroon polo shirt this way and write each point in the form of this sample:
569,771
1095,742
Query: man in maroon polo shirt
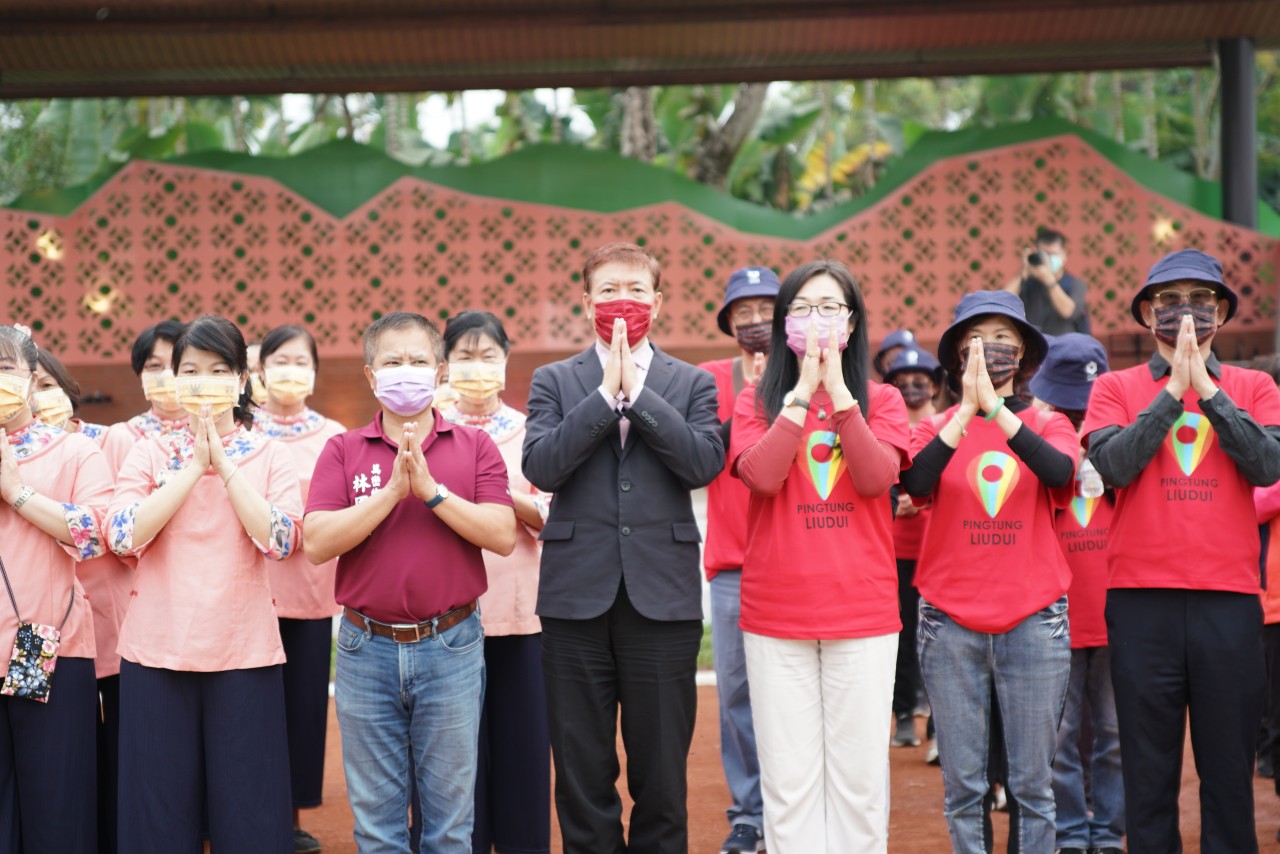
407,503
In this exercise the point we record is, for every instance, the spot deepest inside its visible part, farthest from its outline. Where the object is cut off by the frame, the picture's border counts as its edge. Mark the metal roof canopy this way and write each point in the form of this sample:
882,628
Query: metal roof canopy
194,47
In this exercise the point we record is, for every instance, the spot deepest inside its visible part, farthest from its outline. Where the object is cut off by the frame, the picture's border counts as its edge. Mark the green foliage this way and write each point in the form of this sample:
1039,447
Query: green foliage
814,146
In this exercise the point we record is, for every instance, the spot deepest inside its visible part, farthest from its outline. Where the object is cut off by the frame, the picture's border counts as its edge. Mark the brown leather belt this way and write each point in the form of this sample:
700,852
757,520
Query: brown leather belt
412,632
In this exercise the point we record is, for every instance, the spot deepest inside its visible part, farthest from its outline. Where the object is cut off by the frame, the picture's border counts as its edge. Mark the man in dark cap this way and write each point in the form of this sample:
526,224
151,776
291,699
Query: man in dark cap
747,315
1185,439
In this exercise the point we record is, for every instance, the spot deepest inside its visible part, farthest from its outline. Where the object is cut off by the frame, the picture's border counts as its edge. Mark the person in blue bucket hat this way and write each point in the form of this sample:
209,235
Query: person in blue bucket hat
893,343
747,316
993,634
1089,820
1184,439
917,376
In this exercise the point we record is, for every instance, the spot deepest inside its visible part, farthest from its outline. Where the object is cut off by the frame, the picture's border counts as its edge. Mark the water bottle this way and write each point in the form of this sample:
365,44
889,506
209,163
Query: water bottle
1090,481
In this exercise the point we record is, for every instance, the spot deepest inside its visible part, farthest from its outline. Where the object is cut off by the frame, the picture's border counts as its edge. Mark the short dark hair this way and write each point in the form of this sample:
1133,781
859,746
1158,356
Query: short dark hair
1049,237
53,367
167,330
221,337
626,253
473,324
281,335
401,320
17,345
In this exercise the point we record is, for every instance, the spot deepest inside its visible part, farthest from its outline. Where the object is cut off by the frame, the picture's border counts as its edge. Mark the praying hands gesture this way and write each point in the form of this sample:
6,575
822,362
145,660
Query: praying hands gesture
1187,369
620,369
977,391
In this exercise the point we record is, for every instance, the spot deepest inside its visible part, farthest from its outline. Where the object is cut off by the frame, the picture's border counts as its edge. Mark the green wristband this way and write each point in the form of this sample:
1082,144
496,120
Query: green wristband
995,410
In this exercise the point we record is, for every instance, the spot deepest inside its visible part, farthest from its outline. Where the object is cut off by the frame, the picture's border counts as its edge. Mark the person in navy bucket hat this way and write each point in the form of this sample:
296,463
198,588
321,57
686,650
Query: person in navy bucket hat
992,635
1068,372
747,315
744,283
1184,439
1185,265
972,308
893,343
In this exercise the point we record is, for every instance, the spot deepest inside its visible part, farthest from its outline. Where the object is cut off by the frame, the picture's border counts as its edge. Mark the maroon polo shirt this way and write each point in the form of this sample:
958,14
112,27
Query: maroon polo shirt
413,566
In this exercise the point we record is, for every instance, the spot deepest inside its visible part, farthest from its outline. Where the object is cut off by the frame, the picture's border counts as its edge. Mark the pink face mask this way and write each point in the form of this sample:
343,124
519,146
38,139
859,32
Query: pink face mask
798,331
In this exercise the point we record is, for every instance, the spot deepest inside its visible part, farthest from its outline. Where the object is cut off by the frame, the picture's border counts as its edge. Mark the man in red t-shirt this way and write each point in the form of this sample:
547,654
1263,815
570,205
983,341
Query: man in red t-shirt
1184,439
747,315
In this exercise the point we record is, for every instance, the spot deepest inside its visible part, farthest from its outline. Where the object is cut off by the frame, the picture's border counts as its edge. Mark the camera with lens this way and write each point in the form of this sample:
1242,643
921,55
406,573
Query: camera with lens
1035,259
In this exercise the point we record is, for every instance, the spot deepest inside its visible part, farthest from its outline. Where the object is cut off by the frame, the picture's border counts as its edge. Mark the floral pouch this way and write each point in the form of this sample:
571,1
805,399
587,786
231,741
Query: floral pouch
35,653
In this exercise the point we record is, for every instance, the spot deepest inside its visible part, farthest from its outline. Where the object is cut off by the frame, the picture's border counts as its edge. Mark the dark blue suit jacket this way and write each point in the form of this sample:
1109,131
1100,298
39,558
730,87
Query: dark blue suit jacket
621,512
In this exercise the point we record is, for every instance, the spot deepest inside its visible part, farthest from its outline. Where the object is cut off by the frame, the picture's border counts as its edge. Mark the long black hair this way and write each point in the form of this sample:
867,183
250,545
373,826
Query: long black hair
221,337
782,372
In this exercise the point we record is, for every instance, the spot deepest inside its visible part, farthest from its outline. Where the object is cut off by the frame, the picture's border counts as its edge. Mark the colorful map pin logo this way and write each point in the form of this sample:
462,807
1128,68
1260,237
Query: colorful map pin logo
993,476
1189,440
825,461
1082,508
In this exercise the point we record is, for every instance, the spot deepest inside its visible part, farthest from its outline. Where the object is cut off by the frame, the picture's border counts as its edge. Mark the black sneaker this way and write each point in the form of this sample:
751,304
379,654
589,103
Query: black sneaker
1108,850
304,843
744,839
904,734
1072,851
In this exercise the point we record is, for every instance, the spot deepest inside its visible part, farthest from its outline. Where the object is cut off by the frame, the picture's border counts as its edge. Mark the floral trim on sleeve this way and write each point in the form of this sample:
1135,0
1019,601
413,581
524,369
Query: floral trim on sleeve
120,529
283,536
85,537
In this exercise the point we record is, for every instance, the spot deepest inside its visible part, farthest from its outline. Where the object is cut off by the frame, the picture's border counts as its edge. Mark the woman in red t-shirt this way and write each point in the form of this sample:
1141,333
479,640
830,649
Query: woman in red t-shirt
992,579
819,447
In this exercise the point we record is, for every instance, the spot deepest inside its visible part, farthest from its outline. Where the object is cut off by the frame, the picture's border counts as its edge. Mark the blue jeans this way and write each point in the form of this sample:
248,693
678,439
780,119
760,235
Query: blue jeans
1028,667
737,734
1091,678
411,707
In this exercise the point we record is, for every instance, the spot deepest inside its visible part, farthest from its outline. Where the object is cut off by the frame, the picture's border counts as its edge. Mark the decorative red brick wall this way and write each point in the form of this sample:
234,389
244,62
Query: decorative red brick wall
161,240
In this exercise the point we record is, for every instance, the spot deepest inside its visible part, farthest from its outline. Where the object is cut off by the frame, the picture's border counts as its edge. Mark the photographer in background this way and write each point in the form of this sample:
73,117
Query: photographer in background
1054,299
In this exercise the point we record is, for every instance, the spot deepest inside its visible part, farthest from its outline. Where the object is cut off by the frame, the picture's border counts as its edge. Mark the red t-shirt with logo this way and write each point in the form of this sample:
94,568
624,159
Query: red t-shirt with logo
727,496
819,561
908,533
1082,531
990,557
1187,521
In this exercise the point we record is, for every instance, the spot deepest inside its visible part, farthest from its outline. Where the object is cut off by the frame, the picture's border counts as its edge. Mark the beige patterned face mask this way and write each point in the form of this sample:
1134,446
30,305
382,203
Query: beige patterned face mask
52,406
13,395
477,380
257,389
290,383
217,393
158,387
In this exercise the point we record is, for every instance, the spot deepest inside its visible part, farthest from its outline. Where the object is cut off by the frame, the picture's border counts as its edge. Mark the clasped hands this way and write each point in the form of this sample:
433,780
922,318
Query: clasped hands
1187,369
822,366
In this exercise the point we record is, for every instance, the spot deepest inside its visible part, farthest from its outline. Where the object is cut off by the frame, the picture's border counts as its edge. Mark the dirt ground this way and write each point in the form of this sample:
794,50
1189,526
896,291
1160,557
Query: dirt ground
916,823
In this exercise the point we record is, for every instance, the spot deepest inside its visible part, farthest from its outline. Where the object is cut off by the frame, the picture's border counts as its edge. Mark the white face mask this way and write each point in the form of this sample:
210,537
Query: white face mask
52,406
158,387
13,395
290,383
217,393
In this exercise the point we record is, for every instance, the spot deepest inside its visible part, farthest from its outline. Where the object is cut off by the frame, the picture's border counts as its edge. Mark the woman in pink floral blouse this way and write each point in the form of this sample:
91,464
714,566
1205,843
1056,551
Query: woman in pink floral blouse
203,510
55,487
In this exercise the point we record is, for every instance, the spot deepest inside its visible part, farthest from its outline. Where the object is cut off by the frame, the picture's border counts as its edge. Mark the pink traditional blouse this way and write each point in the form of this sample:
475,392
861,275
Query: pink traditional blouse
107,581
201,599
71,470
302,591
507,607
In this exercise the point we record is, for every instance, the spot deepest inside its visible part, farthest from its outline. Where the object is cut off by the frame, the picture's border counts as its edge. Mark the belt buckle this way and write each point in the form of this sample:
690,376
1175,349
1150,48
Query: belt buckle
417,631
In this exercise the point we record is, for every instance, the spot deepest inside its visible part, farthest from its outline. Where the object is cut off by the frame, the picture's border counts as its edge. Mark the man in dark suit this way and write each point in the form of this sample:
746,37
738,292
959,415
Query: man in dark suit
621,433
